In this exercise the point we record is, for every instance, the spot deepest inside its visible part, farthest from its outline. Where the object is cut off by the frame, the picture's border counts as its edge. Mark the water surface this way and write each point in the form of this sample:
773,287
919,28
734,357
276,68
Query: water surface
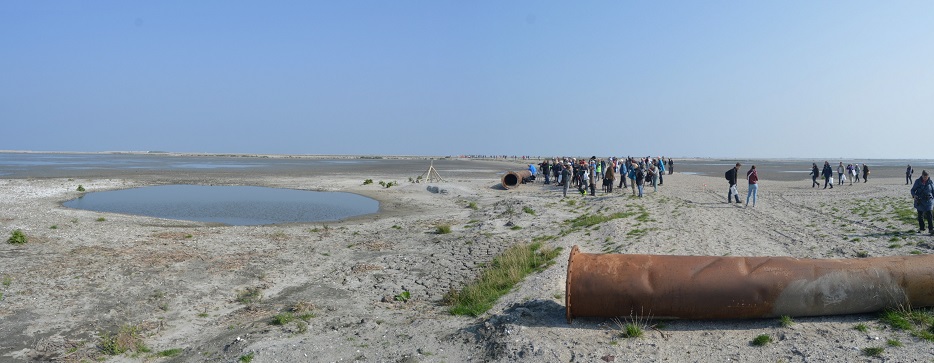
231,205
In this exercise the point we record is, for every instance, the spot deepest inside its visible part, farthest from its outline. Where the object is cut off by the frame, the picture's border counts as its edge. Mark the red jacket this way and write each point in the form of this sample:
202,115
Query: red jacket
752,176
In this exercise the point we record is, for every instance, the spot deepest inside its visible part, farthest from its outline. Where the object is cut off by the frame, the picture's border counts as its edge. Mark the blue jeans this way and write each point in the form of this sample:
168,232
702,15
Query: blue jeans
640,189
753,192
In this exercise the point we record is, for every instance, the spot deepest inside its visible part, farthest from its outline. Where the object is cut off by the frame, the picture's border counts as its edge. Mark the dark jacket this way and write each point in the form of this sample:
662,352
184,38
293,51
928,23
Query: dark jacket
827,172
923,193
731,176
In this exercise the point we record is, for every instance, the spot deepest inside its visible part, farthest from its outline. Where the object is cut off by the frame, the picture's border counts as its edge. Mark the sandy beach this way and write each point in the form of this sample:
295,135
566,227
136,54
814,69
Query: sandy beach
182,285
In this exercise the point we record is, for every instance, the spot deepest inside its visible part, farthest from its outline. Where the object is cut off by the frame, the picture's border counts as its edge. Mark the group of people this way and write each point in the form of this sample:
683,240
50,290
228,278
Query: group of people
584,174
850,171
752,177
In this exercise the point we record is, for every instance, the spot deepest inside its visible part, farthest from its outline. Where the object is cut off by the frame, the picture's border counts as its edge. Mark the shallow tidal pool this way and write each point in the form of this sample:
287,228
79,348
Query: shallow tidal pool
231,205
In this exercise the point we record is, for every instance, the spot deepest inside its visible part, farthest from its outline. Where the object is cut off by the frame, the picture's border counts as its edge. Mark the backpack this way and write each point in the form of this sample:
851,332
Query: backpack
727,175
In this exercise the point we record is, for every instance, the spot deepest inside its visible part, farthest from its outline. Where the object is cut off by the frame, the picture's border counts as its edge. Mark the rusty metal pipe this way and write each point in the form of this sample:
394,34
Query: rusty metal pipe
512,179
711,287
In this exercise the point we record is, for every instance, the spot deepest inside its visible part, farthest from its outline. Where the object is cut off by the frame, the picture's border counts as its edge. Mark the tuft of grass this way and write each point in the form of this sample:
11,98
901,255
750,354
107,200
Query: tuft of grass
861,327
246,358
528,210
53,227
368,181
786,321
80,188
249,295
443,229
873,351
169,352
403,296
499,277
761,339
101,219
893,343
17,237
919,322
282,318
472,205
632,327
7,280
862,254
126,339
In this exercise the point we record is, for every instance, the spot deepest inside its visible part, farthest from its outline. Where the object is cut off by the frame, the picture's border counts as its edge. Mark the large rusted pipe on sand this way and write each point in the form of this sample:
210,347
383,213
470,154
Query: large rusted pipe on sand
512,179
711,287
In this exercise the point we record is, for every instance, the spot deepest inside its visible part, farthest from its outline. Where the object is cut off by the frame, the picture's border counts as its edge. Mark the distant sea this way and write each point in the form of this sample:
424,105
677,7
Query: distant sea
97,165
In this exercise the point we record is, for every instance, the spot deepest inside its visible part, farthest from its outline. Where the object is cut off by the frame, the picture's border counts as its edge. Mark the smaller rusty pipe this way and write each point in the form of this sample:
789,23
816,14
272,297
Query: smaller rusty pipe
715,287
512,179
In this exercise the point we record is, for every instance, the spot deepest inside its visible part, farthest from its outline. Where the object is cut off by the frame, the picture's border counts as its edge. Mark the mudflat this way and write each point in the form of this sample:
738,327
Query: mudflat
202,292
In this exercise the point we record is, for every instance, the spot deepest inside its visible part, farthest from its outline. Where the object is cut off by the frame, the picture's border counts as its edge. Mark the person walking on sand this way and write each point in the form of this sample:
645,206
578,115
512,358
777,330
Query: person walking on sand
814,174
671,166
753,177
632,176
661,170
923,193
840,174
856,172
565,179
731,178
640,180
546,171
908,173
828,175
623,173
608,177
865,173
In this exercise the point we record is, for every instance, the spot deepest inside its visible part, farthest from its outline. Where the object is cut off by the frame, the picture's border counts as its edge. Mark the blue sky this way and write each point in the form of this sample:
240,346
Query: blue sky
691,78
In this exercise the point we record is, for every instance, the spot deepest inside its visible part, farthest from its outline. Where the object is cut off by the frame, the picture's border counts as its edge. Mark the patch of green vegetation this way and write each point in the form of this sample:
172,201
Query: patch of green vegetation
918,322
861,327
862,254
246,358
53,227
282,318
571,202
785,321
894,245
17,237
367,181
873,351
543,238
515,228
169,352
7,280
443,229
915,252
203,315
249,295
403,296
761,340
101,219
80,188
472,205
499,277
528,210
126,339
893,343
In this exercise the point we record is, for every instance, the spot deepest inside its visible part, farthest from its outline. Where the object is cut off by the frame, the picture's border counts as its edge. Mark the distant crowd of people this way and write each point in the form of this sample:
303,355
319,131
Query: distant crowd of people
851,171
585,174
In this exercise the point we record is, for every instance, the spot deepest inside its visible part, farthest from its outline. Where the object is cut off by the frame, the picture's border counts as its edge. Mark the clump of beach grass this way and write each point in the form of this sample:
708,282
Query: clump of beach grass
443,229
126,339
761,340
17,237
499,277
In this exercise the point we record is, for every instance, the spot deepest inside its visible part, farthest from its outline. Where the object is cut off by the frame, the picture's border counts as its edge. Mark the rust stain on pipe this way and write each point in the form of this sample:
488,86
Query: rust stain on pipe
711,287
512,179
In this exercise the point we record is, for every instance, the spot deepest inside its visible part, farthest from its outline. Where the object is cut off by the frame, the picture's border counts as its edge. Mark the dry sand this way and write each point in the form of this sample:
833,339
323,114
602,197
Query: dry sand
179,281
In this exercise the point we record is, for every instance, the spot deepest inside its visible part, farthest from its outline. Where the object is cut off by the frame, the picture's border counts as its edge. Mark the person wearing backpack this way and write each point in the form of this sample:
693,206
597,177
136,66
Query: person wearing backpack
731,178
923,193
827,172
